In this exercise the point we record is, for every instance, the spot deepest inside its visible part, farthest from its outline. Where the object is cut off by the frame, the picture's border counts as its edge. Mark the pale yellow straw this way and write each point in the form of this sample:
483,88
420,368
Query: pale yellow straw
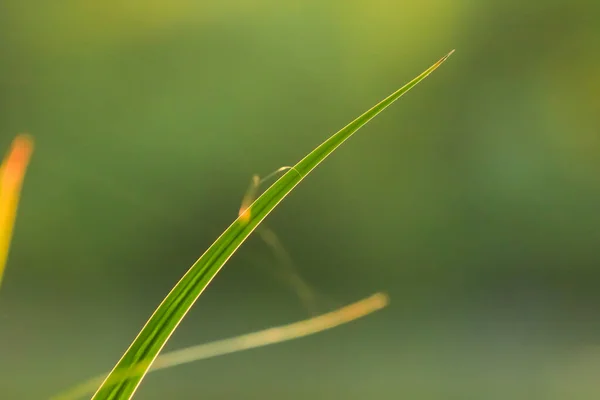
249,341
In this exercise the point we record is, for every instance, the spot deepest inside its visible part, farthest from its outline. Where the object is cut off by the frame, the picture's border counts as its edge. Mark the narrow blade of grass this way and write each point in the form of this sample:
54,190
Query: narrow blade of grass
161,325
12,172
253,340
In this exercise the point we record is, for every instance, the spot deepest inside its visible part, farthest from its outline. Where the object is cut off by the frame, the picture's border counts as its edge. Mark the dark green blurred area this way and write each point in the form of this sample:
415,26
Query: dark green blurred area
473,201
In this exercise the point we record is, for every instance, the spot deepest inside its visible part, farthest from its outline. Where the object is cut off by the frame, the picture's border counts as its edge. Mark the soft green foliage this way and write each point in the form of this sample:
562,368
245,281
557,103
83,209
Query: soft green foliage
130,370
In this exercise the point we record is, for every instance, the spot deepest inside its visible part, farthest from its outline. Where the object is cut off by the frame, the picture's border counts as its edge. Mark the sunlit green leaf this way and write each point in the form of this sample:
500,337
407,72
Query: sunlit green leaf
130,370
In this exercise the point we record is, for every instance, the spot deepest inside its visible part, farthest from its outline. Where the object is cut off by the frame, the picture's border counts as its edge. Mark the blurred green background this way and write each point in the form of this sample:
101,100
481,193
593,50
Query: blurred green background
473,201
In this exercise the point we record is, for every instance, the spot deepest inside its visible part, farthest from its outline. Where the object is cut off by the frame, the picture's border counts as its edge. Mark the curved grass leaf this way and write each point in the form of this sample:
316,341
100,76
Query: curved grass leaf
126,376
248,341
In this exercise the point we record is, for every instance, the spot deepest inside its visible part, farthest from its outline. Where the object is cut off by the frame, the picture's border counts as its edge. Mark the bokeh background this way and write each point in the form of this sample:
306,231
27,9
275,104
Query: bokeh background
473,201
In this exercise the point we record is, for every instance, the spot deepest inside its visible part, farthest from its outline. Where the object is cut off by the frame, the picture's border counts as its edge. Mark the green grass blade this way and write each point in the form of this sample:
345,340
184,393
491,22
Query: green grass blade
120,385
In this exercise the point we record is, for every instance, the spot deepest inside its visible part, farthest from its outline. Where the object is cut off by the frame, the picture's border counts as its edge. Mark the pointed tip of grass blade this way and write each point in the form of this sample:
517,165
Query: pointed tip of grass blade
13,167
314,158
441,61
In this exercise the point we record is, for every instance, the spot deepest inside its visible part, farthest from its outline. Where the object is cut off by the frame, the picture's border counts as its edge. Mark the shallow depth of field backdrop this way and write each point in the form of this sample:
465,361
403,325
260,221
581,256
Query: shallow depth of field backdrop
477,207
